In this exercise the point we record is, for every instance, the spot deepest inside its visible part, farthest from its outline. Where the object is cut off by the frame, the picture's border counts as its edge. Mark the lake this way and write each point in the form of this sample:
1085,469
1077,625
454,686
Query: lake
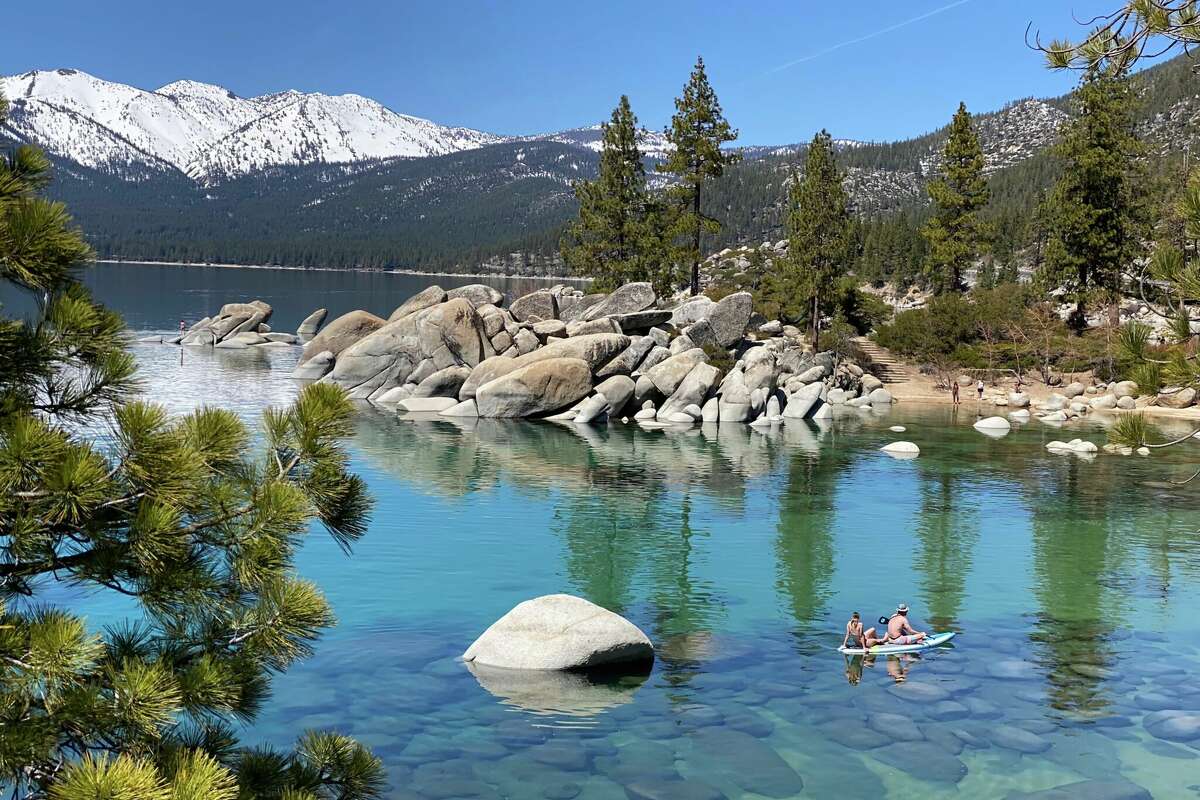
1074,583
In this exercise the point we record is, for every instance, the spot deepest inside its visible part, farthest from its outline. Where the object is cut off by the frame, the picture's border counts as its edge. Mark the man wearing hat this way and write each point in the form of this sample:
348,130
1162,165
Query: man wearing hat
898,629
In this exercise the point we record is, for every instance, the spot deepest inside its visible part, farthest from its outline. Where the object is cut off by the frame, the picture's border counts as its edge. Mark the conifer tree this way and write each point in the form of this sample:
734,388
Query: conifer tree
104,492
819,229
619,236
956,235
698,130
1095,214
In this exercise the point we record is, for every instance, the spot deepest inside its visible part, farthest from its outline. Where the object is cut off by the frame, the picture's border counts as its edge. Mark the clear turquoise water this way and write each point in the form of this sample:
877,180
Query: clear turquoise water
1074,583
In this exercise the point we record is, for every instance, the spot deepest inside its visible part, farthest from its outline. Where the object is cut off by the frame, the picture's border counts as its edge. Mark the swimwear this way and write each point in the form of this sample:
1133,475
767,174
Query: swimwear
903,640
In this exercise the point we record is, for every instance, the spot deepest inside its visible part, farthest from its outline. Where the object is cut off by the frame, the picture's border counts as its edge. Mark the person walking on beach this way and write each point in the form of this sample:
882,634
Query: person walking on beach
979,388
954,392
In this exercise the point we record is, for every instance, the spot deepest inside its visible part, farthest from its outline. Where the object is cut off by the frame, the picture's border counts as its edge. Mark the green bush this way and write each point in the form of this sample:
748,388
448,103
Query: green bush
935,330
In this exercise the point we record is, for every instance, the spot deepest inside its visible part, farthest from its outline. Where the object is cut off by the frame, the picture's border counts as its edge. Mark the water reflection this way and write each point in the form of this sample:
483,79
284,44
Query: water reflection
947,531
550,693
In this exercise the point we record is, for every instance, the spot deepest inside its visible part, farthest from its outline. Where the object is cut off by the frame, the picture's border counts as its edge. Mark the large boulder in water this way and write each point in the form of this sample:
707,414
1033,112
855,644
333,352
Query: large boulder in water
535,389
597,349
426,298
560,632
342,333
450,334
487,370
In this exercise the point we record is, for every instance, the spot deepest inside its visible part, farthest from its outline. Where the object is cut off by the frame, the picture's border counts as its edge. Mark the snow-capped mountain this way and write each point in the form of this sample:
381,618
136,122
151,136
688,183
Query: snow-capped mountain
653,144
208,132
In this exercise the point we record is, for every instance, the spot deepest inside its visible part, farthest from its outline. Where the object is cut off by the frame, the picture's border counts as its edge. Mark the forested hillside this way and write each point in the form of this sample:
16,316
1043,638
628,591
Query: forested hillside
504,206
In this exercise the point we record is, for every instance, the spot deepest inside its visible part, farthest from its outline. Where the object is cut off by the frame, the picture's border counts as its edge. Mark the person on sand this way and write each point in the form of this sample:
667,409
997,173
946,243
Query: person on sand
954,392
979,388
857,637
899,631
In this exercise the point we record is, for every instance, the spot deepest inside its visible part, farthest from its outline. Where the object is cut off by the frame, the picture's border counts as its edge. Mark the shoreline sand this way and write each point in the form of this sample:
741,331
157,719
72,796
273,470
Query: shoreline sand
406,272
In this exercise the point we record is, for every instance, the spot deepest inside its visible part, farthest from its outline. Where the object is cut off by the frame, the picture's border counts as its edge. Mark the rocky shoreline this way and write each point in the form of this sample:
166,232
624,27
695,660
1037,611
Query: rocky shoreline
560,354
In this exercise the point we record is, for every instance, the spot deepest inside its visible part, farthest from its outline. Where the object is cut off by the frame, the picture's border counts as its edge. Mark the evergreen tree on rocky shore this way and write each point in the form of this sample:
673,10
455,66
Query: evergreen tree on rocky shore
698,130
1095,216
619,236
187,517
818,226
956,234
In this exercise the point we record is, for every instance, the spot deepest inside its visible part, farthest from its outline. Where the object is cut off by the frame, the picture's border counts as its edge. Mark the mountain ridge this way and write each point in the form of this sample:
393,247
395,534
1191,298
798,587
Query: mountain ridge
495,203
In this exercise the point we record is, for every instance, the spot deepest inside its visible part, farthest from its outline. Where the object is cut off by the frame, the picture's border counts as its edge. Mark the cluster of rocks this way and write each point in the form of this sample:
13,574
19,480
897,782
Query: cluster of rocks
1077,399
240,325
562,354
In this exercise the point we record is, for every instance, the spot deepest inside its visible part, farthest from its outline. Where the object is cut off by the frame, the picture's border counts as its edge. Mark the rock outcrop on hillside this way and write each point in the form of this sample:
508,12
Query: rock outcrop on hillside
565,355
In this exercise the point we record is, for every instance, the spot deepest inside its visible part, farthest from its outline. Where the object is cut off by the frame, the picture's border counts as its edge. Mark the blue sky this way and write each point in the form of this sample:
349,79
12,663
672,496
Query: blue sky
866,70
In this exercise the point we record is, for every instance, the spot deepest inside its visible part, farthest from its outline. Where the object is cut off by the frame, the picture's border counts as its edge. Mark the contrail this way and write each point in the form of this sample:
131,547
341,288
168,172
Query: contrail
867,36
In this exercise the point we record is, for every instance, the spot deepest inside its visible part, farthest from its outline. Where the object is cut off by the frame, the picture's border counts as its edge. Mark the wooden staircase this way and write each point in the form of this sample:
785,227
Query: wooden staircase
887,367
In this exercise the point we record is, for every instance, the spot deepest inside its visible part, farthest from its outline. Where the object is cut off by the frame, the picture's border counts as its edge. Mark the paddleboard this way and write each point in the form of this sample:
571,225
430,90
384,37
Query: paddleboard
894,649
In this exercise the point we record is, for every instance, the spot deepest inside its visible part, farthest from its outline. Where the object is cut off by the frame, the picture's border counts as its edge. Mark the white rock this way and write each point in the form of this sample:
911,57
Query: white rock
464,409
993,423
901,449
1143,451
434,405
1020,415
394,395
646,414
711,412
678,418
592,409
897,429
1127,403
824,412
560,632
880,397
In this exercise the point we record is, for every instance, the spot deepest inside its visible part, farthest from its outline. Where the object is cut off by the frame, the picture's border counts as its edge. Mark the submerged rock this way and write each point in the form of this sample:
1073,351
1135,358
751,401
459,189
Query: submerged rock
756,767
560,632
1091,790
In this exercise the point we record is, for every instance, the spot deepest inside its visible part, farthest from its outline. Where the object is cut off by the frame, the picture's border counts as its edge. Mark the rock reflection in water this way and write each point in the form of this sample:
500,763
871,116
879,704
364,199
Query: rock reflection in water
551,693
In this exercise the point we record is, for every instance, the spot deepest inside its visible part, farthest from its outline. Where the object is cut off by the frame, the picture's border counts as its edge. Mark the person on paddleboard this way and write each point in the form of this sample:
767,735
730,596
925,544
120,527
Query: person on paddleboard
899,631
857,637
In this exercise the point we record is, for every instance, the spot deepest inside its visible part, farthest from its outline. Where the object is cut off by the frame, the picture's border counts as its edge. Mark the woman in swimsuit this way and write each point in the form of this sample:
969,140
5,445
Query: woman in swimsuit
857,637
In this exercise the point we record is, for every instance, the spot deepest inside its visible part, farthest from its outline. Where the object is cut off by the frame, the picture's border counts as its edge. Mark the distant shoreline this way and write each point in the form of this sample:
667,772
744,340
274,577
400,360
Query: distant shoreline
414,272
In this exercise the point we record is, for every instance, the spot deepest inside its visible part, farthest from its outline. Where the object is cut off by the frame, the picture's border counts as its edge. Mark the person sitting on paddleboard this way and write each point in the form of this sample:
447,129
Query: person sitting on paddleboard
899,631
857,637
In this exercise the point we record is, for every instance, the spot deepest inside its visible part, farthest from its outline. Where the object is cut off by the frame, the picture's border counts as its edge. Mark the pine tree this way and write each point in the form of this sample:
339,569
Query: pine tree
619,236
955,233
819,228
1095,215
697,132
173,513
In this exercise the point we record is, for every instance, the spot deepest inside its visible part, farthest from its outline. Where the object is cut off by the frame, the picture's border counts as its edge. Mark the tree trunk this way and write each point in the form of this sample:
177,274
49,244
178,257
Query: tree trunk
815,322
696,260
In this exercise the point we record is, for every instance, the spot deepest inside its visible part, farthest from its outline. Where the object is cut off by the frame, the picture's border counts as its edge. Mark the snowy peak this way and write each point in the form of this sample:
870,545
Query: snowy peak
207,131
653,144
